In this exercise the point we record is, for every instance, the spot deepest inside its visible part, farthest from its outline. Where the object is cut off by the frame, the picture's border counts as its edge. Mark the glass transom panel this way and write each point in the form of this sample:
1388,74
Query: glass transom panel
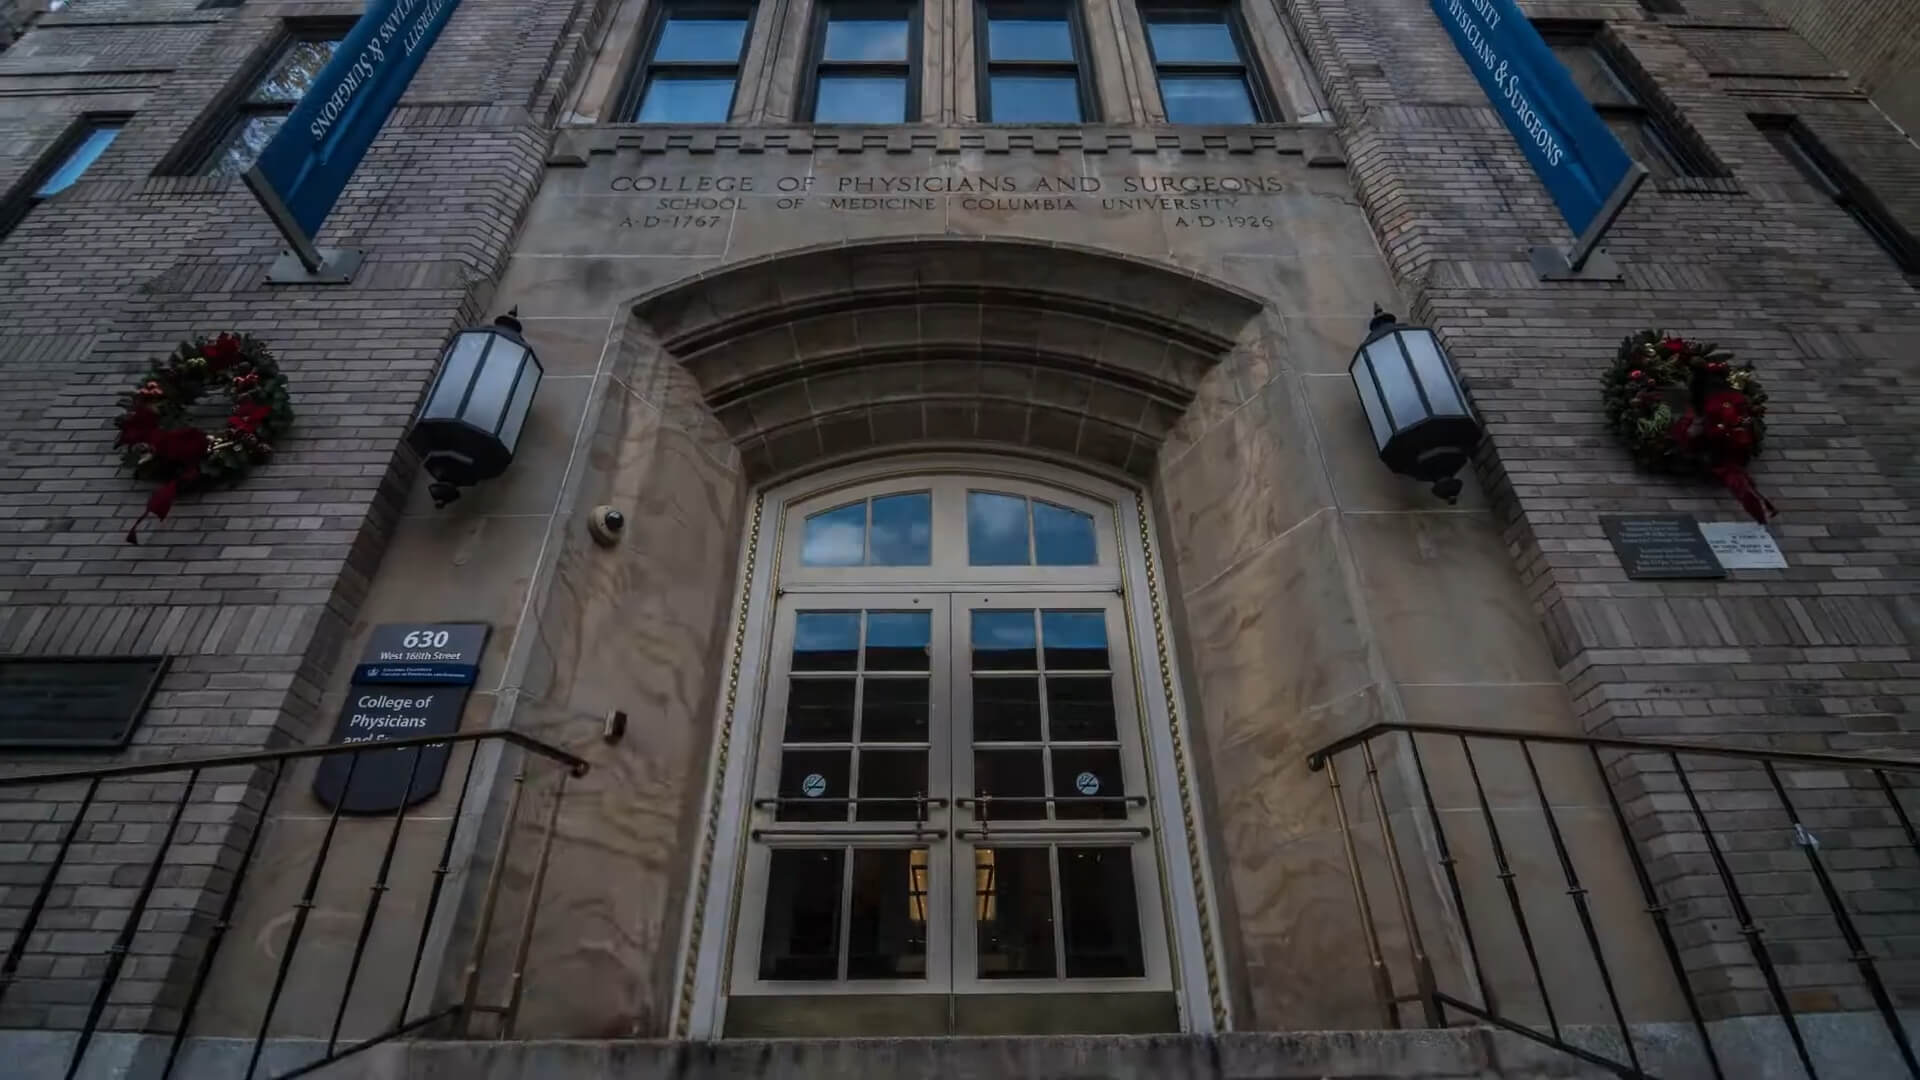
713,40
1013,530
951,530
1192,39
1029,39
866,39
892,530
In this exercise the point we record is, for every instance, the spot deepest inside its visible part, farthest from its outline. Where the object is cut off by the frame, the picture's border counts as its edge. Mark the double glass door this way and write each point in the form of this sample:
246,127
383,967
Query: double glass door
950,799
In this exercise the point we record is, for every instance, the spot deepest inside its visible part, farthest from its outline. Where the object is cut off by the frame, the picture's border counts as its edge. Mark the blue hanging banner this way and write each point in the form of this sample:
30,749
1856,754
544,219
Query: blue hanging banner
1576,156
303,170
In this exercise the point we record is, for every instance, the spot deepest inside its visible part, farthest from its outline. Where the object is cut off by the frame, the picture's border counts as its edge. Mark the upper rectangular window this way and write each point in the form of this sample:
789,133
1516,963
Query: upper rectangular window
1834,180
866,64
70,160
1203,64
691,67
1030,63
1648,138
92,141
260,113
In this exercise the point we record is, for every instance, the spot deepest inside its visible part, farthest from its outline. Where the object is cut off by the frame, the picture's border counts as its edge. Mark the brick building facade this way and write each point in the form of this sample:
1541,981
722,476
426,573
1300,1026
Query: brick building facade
1142,321
1873,41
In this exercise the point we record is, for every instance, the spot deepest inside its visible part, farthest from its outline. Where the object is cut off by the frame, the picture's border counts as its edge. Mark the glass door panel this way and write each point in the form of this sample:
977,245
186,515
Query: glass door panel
949,798
1054,859
847,860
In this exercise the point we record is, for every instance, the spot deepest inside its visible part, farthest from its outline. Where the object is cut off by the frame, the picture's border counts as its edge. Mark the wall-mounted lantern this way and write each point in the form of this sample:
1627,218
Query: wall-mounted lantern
1422,424
467,428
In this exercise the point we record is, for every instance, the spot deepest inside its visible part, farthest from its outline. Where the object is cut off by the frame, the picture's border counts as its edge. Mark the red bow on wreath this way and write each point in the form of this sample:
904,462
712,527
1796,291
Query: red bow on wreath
183,447
1720,433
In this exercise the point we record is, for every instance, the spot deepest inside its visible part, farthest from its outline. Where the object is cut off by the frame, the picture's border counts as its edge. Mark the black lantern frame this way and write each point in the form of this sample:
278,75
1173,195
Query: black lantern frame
470,422
1422,423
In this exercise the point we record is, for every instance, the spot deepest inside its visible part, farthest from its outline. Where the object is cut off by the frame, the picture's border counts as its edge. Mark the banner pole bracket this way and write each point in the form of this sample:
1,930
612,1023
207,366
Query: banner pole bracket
1586,261
300,263
1552,264
333,266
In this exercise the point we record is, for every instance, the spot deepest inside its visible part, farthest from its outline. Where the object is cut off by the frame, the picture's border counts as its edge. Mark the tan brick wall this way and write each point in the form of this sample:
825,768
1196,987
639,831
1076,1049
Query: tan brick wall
1876,41
1816,656
249,589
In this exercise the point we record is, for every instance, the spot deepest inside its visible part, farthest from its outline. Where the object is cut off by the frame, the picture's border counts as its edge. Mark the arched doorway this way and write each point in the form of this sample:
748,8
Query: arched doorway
950,809
838,883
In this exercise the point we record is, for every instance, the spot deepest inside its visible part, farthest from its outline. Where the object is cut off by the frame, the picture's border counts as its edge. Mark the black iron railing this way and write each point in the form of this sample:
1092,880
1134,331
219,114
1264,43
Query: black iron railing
277,764
1869,778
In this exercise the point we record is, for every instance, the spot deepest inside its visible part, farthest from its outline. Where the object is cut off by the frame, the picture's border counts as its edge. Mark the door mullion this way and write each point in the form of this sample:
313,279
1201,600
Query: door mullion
958,737
1059,913
846,910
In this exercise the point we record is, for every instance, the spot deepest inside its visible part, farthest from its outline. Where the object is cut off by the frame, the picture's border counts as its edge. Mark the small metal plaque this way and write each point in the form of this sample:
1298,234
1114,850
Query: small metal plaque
1664,546
1743,545
444,653
74,702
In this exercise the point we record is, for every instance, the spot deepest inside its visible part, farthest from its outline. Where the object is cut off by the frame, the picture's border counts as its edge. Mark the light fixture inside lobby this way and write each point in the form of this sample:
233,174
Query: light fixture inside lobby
1422,424
470,422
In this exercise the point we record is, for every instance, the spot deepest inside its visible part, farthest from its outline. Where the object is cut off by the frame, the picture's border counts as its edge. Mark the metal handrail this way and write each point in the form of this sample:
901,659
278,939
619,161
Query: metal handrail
194,768
1436,1002
1318,758
261,757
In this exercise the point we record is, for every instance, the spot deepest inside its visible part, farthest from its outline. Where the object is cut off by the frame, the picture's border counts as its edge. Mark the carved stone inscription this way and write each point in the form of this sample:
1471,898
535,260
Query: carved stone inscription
1193,201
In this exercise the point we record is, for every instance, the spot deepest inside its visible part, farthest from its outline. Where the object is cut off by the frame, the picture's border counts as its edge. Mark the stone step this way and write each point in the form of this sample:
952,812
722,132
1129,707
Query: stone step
1454,1054
1844,1045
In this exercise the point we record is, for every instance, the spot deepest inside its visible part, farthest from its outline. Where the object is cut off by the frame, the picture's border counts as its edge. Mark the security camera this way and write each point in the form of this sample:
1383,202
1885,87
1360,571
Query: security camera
606,523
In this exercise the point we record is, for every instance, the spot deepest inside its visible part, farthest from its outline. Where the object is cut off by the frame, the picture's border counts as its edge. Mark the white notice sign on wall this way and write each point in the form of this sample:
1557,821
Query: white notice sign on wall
1743,545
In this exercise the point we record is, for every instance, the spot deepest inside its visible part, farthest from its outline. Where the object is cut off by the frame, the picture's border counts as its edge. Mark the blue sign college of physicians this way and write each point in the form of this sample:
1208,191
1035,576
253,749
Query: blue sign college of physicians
1570,147
303,170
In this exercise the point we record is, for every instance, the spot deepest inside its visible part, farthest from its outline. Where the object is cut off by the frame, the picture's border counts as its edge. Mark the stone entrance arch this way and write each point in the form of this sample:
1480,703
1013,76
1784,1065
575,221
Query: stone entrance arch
711,388
852,348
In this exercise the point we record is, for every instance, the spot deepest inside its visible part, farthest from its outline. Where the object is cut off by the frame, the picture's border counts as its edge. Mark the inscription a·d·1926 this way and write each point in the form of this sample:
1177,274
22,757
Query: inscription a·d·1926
412,680
74,702
1663,546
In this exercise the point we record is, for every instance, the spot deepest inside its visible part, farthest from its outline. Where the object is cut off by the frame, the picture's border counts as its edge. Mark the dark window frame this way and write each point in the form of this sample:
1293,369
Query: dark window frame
1266,109
1081,66
233,109
644,64
1827,174
1266,106
817,65
1683,157
25,193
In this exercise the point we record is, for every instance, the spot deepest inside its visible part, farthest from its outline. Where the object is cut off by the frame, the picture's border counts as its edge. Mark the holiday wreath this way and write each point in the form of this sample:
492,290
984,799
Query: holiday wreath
159,439
1684,407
